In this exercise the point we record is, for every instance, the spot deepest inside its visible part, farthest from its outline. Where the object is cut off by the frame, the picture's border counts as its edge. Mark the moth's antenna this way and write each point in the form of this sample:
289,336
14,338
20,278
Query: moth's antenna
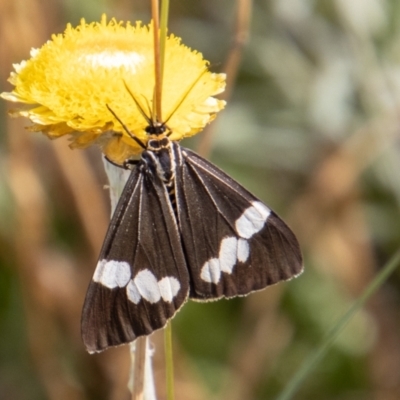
140,108
146,100
153,109
185,95
137,140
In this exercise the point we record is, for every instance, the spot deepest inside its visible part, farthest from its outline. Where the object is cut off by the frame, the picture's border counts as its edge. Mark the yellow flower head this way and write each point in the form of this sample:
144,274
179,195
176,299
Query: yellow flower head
73,77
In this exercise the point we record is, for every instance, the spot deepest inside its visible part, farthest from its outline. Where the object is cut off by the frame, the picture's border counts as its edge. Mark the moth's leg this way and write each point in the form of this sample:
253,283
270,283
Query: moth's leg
130,163
127,164
169,131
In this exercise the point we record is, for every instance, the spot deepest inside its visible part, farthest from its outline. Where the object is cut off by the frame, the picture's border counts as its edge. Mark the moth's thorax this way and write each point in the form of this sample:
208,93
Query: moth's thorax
156,143
160,158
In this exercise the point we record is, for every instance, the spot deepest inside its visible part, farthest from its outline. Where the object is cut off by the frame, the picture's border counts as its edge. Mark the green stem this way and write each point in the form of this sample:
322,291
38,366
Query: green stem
169,362
311,362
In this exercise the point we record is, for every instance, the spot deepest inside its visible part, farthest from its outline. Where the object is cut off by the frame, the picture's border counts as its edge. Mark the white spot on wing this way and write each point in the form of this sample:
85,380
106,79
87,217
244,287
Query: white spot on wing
98,272
252,220
112,273
132,292
227,254
147,285
234,249
169,287
231,251
243,250
262,209
211,271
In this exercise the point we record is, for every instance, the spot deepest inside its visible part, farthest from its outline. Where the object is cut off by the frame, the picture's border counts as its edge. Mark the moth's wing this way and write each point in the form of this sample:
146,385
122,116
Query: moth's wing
233,243
141,279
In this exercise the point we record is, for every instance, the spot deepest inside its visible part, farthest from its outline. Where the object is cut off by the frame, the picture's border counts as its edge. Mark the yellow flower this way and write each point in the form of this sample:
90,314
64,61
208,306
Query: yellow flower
67,84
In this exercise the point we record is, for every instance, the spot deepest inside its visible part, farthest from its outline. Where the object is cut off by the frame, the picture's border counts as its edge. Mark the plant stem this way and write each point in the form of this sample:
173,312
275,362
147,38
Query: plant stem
157,62
139,358
163,34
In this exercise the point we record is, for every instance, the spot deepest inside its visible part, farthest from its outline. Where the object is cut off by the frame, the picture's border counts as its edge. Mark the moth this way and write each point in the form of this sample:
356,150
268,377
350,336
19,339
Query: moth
182,229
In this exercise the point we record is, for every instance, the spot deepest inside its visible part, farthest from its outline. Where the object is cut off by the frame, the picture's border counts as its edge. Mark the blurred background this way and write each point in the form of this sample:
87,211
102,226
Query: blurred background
312,128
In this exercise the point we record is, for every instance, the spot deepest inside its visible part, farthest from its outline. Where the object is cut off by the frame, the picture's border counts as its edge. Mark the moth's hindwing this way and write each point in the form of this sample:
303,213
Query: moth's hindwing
233,243
141,279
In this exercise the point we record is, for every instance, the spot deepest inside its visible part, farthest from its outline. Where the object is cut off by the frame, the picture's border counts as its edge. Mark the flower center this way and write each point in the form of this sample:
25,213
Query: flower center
113,59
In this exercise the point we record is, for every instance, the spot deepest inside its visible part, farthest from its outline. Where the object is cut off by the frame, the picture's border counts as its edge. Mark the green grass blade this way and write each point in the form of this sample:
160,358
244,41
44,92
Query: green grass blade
169,362
311,362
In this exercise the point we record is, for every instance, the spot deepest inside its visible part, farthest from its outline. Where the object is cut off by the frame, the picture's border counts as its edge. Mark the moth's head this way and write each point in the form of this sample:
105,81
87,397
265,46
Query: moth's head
156,128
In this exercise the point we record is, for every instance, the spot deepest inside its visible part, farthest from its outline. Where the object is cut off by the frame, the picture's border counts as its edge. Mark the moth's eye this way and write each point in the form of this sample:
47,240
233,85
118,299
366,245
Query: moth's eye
149,129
